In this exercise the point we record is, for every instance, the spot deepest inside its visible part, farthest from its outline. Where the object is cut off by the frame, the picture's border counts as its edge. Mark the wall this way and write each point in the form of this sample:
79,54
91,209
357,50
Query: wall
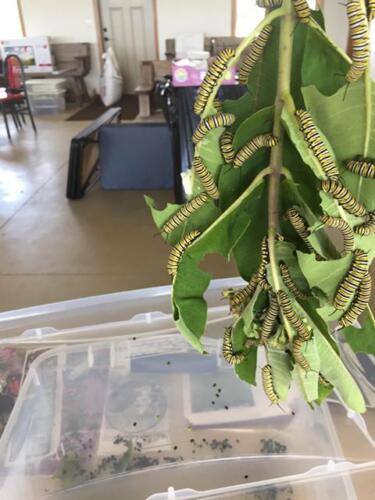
337,27
211,17
10,25
65,21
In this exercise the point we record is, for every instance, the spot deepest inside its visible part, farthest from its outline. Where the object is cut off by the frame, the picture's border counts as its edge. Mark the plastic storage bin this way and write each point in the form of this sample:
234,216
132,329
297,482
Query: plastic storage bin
46,85
110,308
132,418
48,102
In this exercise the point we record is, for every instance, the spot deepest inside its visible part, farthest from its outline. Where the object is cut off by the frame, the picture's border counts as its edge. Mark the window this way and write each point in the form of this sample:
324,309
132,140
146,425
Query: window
10,22
249,15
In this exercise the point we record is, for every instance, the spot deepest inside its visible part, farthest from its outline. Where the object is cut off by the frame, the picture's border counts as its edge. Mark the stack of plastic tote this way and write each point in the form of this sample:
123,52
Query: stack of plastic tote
116,403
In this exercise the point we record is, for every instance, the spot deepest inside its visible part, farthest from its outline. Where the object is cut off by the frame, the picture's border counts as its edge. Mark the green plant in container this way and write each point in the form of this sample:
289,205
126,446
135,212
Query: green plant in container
273,173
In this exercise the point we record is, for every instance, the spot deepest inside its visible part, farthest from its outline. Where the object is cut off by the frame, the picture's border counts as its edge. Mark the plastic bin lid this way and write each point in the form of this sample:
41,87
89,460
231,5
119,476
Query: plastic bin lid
152,413
109,308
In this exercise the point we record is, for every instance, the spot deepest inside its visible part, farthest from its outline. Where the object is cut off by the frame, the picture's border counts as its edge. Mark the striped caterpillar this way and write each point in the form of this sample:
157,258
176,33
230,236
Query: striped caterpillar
358,27
260,141
206,178
359,304
256,50
344,197
178,251
364,168
185,212
215,72
211,123
317,145
231,357
352,280
289,282
291,315
268,387
343,226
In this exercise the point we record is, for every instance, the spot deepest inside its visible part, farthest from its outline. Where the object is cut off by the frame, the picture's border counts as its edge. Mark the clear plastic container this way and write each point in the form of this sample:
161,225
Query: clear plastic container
48,102
46,85
131,418
110,308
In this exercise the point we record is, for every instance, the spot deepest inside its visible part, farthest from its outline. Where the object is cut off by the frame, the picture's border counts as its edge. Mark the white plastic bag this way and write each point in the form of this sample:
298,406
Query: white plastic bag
111,80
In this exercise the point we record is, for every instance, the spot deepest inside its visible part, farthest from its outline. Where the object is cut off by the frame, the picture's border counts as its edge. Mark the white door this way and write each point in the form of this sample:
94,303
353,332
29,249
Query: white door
128,27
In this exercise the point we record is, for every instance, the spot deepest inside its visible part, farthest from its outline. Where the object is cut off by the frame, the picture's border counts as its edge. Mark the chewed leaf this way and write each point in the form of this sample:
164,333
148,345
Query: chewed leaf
334,370
324,275
342,117
246,370
362,339
308,381
281,372
291,123
190,283
200,219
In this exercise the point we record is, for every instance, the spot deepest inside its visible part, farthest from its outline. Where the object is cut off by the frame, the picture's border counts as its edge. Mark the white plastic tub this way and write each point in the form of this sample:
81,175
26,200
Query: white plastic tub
134,305
46,85
131,417
48,102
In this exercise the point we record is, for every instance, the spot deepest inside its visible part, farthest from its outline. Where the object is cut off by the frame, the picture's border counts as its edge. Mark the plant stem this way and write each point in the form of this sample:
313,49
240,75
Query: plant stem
243,45
283,89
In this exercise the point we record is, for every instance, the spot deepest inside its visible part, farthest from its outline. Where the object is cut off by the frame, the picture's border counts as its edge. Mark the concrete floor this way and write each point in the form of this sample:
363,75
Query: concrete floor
52,249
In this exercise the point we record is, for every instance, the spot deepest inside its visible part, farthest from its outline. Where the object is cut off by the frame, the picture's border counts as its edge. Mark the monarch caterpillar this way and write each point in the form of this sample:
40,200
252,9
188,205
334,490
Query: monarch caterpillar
358,27
268,387
359,304
184,212
352,280
317,145
206,178
300,359
270,318
264,261
289,282
212,122
226,146
215,72
300,226
368,228
364,168
239,298
218,105
255,53
347,231
344,197
178,250
302,10
323,380
260,141
268,4
291,315
371,8
228,354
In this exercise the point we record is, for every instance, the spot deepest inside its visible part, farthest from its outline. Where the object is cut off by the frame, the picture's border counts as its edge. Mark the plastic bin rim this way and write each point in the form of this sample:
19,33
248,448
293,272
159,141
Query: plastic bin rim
54,307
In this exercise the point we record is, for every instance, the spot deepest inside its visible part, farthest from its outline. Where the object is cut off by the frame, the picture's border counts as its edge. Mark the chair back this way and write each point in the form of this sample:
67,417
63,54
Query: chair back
14,74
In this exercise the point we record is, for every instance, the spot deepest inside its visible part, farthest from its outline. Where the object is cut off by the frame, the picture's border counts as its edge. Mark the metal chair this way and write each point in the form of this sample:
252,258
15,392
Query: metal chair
16,102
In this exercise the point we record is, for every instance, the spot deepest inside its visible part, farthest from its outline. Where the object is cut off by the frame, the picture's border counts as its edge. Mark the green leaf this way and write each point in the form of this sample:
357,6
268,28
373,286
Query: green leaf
286,252
251,312
323,392
324,275
308,381
246,370
333,369
324,65
292,126
281,372
190,283
200,219
345,128
362,339
232,182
